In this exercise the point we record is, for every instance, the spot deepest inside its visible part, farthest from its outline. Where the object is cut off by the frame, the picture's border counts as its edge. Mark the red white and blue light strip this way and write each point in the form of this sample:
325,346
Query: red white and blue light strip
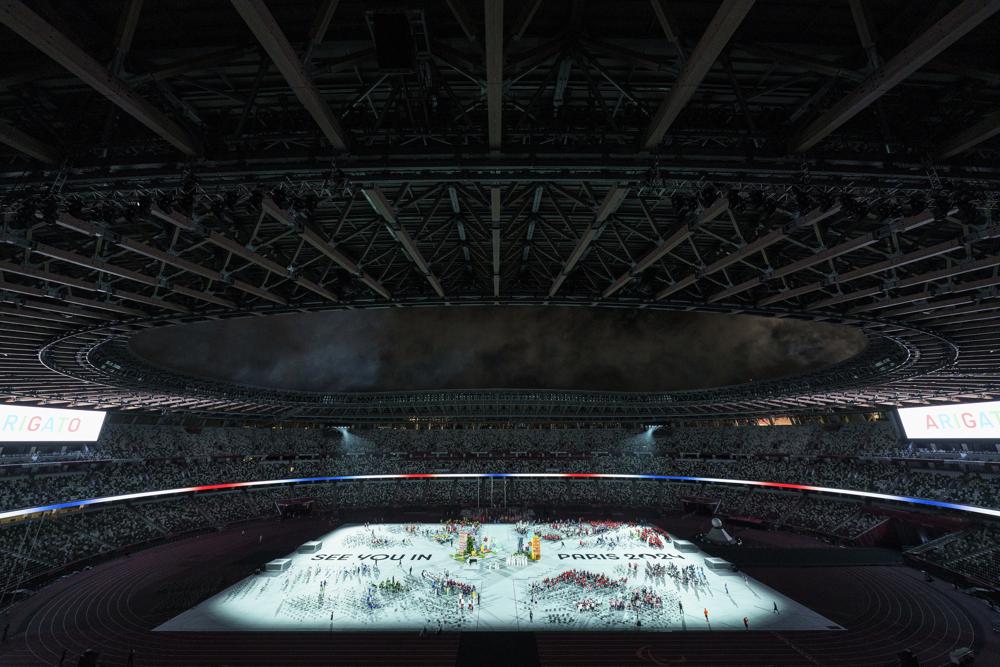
492,475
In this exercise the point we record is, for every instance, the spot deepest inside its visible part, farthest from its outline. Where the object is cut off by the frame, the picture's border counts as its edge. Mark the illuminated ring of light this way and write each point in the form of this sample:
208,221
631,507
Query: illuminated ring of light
495,475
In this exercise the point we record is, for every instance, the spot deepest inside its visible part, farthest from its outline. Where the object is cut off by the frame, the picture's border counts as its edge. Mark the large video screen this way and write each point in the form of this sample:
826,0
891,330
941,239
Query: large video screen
963,421
19,423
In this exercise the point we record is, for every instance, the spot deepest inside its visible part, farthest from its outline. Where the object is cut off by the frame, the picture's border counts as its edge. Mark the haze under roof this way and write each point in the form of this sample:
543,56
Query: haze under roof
497,347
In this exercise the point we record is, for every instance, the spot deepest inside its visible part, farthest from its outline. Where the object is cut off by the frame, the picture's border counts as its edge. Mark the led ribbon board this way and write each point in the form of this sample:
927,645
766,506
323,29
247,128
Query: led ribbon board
963,421
20,423
70,504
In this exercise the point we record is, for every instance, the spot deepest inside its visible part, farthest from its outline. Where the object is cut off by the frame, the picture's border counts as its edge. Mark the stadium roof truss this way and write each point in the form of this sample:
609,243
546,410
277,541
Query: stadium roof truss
191,162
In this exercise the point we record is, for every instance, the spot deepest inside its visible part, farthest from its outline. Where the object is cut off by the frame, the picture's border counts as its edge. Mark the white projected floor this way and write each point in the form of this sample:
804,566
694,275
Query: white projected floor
590,576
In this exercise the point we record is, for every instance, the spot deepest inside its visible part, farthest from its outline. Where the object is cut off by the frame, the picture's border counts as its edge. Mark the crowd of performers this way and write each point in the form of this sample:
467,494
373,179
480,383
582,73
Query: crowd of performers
452,592
361,570
645,597
461,526
581,528
599,533
642,598
688,575
468,595
652,537
656,570
371,539
581,578
392,585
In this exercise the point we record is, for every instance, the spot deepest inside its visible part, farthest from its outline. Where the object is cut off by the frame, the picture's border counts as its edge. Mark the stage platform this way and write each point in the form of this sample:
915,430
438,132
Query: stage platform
594,575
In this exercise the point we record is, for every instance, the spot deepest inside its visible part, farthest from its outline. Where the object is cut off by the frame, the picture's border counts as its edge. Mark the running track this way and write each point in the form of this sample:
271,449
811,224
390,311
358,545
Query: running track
113,608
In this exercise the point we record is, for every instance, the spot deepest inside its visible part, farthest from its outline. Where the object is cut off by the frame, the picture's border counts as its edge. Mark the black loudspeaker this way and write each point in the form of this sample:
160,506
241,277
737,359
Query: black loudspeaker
393,41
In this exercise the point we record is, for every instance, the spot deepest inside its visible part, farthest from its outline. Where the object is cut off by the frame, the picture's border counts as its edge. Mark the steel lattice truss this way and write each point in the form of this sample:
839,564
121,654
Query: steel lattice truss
228,162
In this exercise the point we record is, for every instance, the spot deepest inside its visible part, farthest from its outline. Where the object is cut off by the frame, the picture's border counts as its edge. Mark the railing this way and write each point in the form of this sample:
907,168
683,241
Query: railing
72,504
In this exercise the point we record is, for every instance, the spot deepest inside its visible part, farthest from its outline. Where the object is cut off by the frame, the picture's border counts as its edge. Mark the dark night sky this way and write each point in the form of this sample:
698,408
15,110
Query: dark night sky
509,347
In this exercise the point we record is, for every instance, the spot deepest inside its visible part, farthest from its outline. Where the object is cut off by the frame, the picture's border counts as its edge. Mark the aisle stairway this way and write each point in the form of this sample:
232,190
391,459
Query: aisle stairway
934,544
